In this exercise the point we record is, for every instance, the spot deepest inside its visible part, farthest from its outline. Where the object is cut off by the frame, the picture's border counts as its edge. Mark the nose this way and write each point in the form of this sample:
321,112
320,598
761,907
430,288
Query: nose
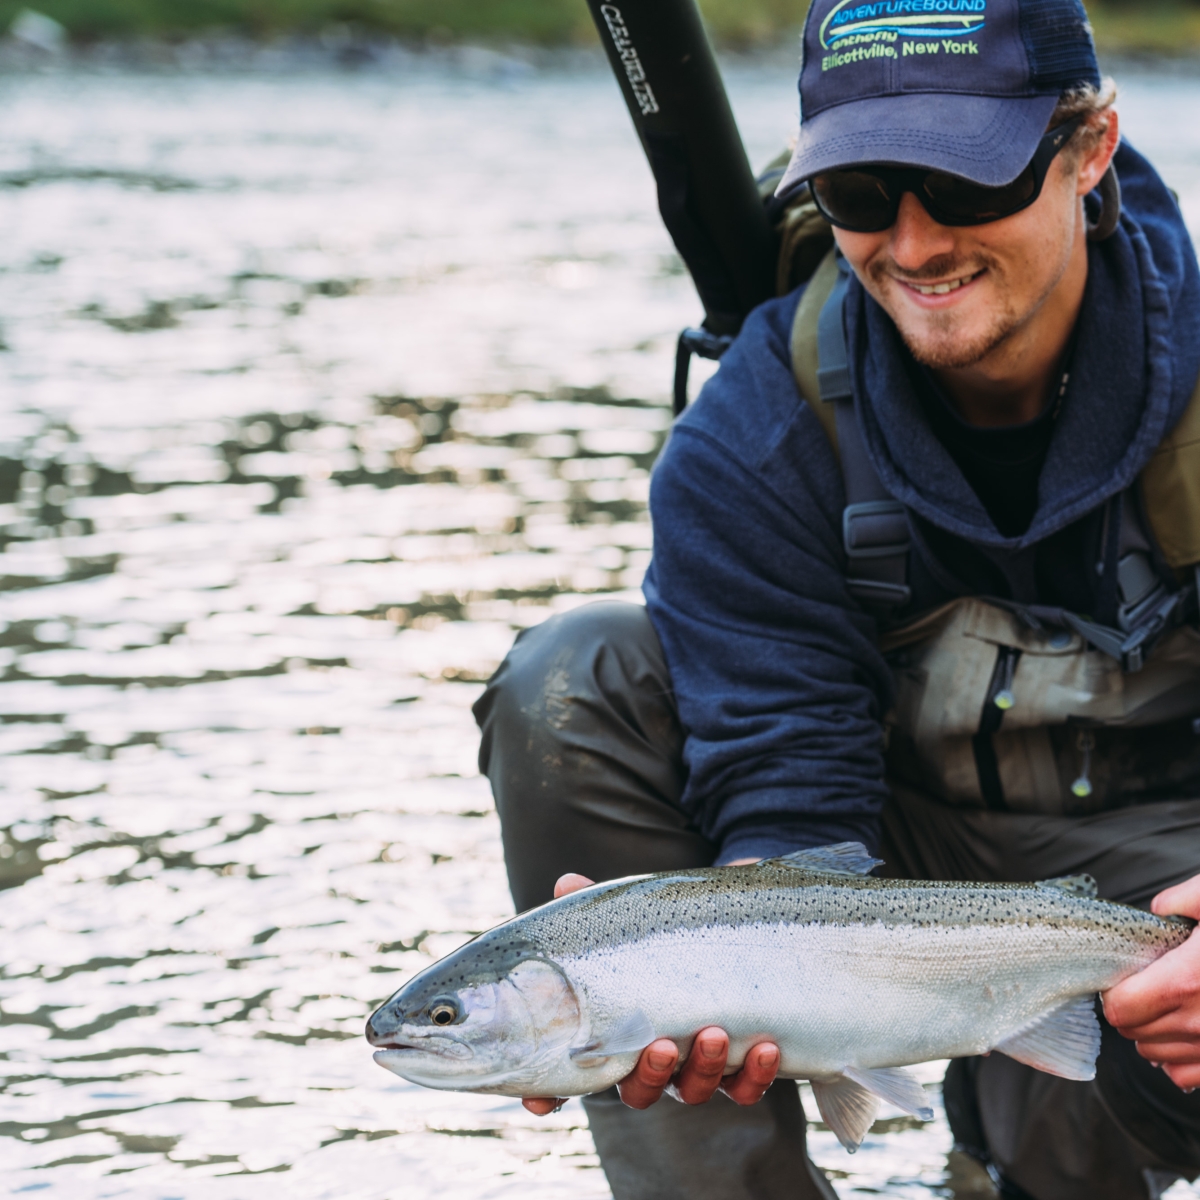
916,237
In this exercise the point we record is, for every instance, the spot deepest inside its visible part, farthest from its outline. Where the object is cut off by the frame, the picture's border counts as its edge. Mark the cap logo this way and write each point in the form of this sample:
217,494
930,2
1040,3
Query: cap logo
875,29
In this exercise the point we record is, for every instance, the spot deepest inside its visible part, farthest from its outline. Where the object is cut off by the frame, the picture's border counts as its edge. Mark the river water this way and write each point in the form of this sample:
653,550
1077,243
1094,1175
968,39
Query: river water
317,386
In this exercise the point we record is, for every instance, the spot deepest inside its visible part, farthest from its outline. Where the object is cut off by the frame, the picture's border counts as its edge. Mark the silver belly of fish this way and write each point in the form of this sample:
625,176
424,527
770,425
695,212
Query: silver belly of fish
853,977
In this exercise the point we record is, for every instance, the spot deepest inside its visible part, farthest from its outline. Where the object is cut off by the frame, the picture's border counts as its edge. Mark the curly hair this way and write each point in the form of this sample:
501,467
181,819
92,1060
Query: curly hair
1096,103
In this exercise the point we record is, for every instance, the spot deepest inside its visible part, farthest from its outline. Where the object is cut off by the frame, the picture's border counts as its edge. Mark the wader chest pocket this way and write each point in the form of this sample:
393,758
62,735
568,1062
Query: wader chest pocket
989,713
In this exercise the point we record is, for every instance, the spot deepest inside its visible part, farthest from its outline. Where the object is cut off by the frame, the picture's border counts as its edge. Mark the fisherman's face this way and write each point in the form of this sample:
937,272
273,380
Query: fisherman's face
1002,274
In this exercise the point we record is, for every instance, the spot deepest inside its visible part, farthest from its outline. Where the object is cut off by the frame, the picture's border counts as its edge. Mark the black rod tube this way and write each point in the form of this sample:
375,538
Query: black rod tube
706,191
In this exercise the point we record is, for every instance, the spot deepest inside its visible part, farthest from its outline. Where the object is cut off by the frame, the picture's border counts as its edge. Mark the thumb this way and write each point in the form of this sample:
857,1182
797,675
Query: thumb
1183,900
571,883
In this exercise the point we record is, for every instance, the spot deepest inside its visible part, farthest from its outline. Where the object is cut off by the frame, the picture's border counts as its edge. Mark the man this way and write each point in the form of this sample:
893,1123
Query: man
923,578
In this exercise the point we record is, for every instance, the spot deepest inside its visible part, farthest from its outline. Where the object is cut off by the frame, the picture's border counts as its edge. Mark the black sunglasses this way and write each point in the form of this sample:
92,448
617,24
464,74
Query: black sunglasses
867,199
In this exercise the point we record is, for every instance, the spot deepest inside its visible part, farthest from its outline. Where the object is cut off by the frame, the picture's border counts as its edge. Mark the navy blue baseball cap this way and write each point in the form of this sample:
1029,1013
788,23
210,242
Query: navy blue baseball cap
962,86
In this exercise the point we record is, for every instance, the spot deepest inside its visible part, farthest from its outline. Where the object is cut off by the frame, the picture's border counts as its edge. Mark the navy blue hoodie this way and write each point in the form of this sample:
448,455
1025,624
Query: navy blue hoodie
780,684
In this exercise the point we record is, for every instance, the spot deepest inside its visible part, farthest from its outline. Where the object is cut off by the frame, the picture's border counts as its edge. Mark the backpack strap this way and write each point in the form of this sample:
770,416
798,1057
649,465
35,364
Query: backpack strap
804,344
875,532
1171,490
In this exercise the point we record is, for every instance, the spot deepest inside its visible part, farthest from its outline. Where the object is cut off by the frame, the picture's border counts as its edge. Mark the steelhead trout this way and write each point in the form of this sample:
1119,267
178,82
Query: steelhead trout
853,977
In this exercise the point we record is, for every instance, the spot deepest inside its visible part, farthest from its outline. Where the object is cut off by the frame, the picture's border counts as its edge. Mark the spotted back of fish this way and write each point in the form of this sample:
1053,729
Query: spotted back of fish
629,910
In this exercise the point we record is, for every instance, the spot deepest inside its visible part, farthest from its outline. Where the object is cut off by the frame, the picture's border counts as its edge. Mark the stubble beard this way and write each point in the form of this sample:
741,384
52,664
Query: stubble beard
940,341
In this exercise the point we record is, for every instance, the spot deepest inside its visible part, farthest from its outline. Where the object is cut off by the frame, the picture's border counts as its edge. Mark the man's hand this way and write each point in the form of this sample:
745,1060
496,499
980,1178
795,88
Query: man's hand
702,1075
1159,1008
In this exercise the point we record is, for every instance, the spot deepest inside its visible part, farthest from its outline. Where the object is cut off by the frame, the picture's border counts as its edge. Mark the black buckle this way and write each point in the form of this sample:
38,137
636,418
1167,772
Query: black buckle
1131,651
1140,589
876,538
874,593
833,383
875,529
1150,628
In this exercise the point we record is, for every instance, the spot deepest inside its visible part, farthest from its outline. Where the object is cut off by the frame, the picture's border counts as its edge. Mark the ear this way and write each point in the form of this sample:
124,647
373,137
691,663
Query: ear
1092,168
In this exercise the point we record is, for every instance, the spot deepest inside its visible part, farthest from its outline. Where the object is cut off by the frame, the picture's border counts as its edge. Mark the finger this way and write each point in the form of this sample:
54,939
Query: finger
1183,898
1179,1026
757,1074
571,883
644,1085
1176,1053
1136,1003
701,1074
542,1106
1185,1077
1162,988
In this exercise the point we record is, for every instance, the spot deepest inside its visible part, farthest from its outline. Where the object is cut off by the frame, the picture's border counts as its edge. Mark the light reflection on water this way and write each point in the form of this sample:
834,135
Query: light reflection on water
317,388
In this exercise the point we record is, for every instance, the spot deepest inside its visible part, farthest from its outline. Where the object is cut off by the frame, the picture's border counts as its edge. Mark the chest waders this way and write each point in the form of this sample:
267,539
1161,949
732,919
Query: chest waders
1017,707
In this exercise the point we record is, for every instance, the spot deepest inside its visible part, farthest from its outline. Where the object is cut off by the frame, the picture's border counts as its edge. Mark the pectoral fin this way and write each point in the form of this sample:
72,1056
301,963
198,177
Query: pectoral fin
847,1108
896,1086
633,1033
1063,1041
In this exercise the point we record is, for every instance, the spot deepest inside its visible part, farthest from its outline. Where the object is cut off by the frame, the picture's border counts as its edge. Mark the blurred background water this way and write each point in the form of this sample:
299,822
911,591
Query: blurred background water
317,386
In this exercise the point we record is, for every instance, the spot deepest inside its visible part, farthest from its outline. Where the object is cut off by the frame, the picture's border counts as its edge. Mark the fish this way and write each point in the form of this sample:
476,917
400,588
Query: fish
854,977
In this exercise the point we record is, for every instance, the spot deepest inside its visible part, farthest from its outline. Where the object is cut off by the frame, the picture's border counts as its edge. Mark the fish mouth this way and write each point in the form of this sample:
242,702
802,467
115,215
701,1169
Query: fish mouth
397,1059
395,1045
388,1043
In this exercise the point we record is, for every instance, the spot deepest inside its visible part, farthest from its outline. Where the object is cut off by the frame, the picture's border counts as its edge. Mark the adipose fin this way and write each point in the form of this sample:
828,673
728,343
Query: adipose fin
1074,885
1063,1041
844,858
634,1033
847,1108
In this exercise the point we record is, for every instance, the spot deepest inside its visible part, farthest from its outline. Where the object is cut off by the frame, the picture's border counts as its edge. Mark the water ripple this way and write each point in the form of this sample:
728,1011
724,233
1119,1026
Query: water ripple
319,388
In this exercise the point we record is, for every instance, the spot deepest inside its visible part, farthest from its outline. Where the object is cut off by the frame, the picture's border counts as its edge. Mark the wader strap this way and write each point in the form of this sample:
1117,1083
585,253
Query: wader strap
1139,586
874,526
1146,607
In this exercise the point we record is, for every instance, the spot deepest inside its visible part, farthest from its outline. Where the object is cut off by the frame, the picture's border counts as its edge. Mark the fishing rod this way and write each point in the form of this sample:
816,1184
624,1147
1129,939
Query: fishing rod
707,196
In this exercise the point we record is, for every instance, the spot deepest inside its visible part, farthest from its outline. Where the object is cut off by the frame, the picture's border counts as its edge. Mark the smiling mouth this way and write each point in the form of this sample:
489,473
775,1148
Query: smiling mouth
942,289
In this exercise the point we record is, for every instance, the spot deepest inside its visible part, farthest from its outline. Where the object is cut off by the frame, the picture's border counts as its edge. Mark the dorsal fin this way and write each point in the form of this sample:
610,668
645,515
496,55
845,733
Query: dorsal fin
844,858
1074,885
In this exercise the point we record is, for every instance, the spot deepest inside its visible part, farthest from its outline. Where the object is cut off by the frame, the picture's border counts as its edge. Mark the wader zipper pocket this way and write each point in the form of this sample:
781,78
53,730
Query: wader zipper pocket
1086,743
1000,698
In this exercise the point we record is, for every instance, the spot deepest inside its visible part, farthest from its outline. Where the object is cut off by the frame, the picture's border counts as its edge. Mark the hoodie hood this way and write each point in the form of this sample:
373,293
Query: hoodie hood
1136,361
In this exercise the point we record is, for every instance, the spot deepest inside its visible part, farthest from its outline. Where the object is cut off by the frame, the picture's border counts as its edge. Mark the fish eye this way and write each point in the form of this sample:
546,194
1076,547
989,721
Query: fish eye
443,1011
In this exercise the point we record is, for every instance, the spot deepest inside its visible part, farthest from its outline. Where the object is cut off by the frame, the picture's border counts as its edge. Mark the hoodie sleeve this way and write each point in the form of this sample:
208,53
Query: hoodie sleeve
777,676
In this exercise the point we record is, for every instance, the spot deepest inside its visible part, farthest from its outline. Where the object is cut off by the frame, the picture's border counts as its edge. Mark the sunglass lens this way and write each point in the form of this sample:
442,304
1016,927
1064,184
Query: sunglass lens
856,200
960,202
